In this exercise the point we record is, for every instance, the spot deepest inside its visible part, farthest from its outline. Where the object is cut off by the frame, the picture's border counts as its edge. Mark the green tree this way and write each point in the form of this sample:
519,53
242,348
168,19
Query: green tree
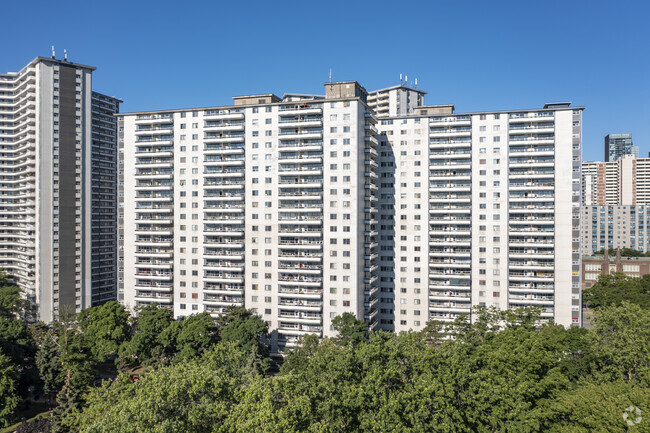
48,362
67,409
239,325
350,330
621,342
599,408
188,338
193,396
145,347
9,398
618,288
105,328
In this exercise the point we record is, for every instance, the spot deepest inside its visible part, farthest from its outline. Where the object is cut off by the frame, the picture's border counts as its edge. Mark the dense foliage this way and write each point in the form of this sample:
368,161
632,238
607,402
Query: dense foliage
614,289
625,252
507,372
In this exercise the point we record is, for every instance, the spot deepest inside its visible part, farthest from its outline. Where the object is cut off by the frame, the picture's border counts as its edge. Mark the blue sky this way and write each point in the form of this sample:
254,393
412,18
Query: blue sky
478,55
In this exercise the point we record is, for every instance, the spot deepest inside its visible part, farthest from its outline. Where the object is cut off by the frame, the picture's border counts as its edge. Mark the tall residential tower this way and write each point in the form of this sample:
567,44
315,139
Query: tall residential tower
58,186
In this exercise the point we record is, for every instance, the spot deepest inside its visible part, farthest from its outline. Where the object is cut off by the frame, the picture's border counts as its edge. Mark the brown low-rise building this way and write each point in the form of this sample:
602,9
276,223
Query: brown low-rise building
595,266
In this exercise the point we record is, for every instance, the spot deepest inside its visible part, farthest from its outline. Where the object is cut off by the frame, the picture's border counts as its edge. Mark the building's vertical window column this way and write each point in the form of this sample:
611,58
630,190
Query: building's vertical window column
576,201
17,178
371,211
300,222
223,210
450,168
120,210
386,224
154,215
104,199
531,174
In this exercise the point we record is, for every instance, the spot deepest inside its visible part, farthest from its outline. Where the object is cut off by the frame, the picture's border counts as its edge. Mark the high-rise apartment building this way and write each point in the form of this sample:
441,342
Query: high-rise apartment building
398,100
615,226
479,209
616,203
57,186
305,207
618,145
623,182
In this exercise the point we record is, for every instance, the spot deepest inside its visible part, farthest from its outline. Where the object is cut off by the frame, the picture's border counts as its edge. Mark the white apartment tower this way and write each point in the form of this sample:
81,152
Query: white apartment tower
304,207
479,209
269,203
58,157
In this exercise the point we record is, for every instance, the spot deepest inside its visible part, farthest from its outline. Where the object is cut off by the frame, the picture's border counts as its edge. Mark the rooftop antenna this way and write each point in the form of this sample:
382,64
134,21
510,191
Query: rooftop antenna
330,75
416,83
53,54
406,79
400,79
65,55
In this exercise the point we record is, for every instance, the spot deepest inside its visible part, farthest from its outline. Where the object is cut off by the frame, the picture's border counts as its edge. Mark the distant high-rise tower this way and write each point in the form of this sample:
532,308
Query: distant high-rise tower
58,186
617,145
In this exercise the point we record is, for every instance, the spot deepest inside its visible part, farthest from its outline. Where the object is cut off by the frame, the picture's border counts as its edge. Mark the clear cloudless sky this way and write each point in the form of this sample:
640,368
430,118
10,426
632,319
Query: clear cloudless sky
478,55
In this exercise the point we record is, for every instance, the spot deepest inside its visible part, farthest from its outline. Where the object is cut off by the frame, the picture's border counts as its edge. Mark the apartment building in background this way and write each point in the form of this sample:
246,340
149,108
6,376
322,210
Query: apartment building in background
616,204
398,100
625,181
305,207
615,226
619,145
58,186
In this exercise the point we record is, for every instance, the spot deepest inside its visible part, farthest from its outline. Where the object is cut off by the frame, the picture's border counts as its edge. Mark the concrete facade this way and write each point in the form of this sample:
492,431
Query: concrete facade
47,185
307,207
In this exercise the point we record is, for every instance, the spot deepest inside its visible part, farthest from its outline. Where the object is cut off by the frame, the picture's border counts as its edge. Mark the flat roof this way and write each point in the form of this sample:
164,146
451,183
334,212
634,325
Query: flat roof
613,257
399,86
